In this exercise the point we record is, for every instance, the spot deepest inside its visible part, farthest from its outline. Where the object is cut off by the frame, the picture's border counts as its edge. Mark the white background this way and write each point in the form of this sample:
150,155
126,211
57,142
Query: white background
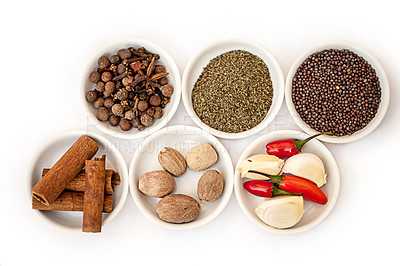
45,46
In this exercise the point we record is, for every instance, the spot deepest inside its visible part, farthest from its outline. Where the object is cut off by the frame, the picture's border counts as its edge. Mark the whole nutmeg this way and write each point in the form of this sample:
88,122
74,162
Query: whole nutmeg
167,90
106,76
91,96
201,157
118,110
114,120
102,114
142,106
130,115
172,161
155,100
178,208
158,112
103,62
108,102
146,120
125,124
156,183
210,186
98,103
94,77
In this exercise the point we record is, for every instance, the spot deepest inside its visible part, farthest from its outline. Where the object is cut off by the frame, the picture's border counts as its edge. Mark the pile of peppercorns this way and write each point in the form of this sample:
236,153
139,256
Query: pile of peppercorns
131,90
336,91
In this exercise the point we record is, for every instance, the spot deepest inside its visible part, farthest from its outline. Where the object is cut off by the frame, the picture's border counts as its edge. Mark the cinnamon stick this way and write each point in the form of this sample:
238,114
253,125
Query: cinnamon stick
78,183
71,201
95,174
64,170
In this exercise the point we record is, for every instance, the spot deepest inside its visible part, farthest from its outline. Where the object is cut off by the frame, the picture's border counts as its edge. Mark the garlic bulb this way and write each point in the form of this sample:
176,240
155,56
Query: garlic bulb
308,166
281,212
264,163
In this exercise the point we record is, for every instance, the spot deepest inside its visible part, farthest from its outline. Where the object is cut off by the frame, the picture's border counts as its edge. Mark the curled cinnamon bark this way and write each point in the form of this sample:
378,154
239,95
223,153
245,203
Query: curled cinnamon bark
64,170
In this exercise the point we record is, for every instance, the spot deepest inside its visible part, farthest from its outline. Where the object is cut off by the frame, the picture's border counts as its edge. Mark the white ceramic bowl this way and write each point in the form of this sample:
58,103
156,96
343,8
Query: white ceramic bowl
182,138
313,213
173,78
49,154
385,93
203,57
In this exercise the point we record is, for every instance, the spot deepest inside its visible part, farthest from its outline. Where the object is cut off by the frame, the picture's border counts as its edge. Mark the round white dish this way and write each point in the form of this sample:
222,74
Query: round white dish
49,154
203,57
385,92
181,138
174,79
313,213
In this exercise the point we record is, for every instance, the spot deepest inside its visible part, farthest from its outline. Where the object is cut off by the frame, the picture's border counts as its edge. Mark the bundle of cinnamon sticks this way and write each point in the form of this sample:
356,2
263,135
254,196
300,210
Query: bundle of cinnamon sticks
77,183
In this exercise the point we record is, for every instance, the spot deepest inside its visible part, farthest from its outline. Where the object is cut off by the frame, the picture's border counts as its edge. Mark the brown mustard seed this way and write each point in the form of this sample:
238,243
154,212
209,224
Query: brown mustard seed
91,96
95,77
167,90
103,62
125,124
102,114
114,120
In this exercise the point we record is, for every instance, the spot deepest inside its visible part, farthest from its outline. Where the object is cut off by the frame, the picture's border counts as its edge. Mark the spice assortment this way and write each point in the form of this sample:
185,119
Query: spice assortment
131,89
284,183
182,208
233,92
68,187
337,91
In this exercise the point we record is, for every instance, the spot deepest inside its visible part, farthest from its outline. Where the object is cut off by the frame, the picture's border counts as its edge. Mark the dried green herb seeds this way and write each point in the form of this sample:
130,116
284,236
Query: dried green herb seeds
234,92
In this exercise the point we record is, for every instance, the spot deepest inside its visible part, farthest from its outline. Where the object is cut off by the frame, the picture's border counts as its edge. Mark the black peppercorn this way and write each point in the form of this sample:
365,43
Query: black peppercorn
114,120
125,124
91,96
102,114
94,76
104,62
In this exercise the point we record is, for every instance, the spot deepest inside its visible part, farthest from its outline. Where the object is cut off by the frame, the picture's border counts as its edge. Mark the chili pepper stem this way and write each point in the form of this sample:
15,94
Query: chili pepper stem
300,143
277,191
277,179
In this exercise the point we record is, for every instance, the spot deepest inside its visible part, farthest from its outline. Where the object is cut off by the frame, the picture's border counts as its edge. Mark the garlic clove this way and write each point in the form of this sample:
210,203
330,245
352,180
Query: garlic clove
264,163
281,212
308,166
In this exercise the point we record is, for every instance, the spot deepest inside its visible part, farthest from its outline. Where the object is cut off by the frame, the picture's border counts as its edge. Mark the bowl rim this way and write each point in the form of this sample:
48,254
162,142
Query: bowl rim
76,133
121,43
272,64
384,84
294,230
136,194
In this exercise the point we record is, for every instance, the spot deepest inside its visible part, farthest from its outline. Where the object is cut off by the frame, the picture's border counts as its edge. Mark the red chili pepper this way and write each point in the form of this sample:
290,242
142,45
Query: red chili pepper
288,147
265,189
298,185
